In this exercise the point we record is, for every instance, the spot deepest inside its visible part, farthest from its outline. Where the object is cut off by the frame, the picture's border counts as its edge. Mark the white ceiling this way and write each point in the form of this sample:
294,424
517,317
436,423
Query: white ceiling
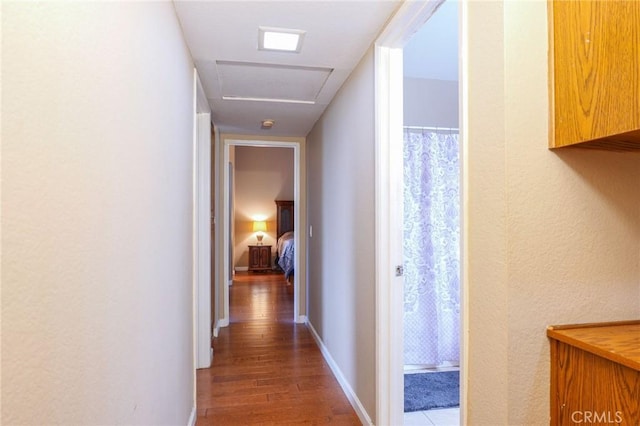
223,39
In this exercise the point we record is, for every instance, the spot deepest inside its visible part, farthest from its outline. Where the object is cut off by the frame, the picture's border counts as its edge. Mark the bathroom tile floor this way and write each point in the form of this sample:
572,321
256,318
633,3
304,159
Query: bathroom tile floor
441,417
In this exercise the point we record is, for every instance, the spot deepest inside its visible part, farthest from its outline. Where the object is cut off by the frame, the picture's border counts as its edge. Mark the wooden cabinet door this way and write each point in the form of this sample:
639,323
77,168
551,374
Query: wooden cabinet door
259,258
285,217
265,257
594,74
254,258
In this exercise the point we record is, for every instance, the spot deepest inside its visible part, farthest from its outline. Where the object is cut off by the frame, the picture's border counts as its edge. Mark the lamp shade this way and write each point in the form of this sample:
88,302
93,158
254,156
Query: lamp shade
259,226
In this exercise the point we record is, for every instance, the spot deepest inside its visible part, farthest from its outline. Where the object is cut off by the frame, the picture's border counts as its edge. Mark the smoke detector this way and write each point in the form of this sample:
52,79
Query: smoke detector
268,124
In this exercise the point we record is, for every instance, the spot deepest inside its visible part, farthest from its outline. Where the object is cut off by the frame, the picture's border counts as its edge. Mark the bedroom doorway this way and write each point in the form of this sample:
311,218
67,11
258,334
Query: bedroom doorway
408,129
298,281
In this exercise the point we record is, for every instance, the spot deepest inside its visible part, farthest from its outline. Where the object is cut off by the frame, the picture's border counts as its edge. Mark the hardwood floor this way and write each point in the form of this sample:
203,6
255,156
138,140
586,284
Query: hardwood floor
267,369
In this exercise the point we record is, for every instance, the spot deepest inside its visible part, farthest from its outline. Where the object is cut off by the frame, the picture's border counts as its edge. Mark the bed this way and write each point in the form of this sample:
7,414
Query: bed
285,253
285,249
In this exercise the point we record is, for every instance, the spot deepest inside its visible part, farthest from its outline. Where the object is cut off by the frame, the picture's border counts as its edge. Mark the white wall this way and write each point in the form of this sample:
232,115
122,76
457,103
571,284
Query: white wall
430,103
341,210
97,145
552,237
431,71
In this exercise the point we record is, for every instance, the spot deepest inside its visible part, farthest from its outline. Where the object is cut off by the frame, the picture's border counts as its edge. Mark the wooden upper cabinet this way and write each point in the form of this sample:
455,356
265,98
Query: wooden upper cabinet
594,66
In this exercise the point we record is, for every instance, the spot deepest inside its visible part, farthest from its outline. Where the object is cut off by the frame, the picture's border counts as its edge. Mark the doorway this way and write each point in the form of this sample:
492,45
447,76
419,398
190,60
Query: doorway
299,241
394,127
431,226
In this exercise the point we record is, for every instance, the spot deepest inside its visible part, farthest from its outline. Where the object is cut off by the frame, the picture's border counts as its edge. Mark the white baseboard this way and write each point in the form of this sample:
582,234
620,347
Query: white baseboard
241,269
344,384
222,322
302,319
192,417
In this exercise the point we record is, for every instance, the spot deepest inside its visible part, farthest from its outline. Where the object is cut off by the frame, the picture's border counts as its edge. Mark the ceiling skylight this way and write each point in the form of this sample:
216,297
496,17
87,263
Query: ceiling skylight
280,39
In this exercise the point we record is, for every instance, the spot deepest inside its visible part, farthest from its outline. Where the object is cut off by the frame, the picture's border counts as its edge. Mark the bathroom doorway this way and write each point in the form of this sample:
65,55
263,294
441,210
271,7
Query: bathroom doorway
431,221
419,225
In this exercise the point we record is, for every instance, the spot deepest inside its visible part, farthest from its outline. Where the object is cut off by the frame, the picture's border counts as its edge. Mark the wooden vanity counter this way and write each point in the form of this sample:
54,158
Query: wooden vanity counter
595,373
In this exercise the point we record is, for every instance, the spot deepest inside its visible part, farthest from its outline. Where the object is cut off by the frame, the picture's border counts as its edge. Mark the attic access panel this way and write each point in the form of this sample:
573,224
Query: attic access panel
271,82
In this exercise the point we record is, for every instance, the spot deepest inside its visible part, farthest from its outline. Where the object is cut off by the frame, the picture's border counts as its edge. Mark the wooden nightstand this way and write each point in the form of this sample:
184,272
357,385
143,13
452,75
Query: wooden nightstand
259,258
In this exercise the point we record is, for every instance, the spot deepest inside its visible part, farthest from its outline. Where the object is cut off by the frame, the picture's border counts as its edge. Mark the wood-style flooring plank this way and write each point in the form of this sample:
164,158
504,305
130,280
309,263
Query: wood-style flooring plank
267,369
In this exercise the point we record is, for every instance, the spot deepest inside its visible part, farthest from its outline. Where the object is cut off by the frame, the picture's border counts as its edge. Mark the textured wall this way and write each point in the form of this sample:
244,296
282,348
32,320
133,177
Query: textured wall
341,211
97,136
484,299
553,237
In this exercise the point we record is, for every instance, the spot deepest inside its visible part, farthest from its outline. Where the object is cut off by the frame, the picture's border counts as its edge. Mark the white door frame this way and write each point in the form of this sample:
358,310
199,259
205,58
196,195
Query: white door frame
296,218
202,227
410,17
389,287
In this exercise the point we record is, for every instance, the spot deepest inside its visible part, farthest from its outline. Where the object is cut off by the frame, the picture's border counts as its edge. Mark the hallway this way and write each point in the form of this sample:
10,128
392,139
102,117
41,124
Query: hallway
266,369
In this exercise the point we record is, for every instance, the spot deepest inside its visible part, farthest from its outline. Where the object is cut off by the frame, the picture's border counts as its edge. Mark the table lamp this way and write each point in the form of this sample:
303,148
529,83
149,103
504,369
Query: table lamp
259,226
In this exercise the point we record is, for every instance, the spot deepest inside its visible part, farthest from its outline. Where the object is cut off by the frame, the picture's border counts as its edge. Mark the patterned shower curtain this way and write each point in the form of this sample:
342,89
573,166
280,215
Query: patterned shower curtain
431,247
